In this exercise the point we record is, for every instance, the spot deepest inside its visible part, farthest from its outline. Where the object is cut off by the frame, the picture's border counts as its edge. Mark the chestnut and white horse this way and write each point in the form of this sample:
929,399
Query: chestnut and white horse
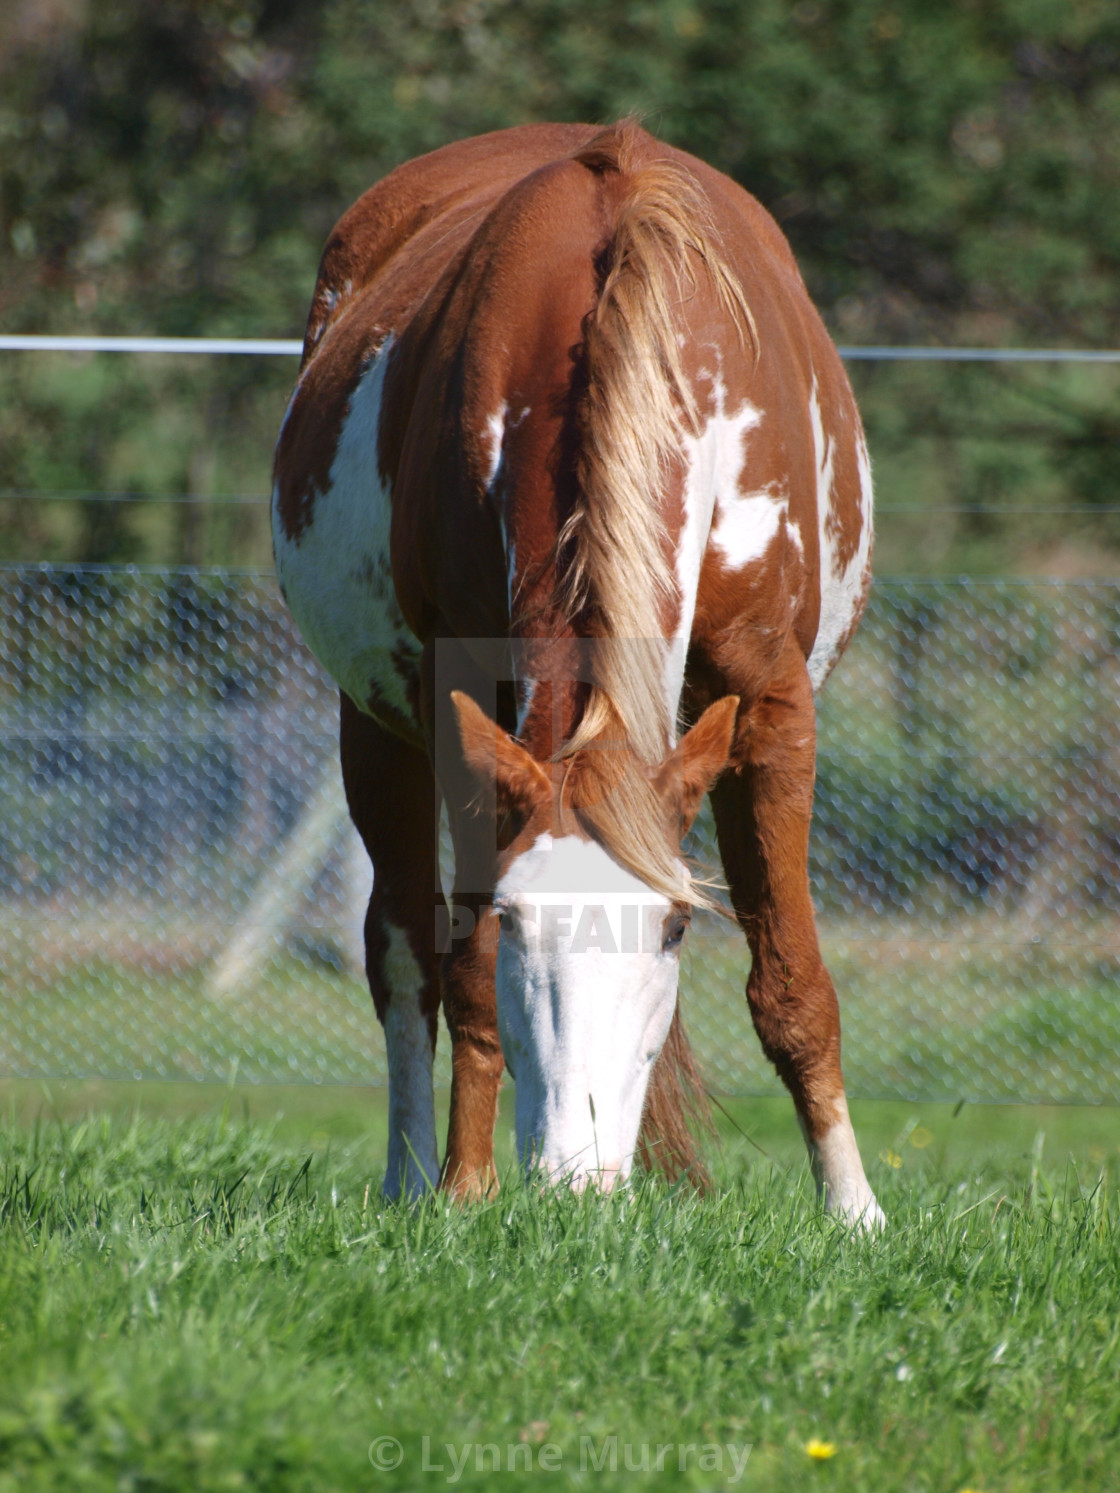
572,461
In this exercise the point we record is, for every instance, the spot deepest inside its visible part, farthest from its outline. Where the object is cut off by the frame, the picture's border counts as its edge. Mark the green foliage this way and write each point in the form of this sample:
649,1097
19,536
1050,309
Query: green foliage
183,164
204,1305
944,173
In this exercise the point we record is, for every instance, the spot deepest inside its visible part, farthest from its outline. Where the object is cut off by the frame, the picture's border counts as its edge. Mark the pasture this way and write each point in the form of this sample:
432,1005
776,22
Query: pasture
199,1289
199,1285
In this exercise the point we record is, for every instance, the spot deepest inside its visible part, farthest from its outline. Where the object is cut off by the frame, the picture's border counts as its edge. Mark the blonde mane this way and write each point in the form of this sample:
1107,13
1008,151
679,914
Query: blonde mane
636,405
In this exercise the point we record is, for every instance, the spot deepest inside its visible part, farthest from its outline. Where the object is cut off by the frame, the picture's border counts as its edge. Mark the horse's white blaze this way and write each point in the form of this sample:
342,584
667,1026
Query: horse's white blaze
841,585
585,999
413,1165
337,575
839,1173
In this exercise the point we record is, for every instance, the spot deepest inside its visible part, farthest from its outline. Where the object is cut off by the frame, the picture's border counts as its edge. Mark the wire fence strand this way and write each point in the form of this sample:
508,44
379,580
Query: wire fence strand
286,347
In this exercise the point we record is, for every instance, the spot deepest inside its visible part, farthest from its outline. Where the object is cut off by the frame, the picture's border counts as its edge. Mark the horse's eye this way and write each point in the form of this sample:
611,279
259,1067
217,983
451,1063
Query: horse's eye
505,920
674,932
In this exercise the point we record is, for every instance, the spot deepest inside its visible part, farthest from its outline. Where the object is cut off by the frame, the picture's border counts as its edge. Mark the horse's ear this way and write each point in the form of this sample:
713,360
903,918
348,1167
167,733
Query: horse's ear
509,777
698,759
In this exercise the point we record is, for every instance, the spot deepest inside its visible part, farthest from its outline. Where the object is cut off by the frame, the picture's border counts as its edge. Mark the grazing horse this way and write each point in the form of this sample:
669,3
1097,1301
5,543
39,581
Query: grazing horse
571,463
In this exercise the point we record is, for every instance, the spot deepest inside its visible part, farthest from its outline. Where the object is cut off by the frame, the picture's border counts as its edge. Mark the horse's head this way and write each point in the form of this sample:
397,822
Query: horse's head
590,936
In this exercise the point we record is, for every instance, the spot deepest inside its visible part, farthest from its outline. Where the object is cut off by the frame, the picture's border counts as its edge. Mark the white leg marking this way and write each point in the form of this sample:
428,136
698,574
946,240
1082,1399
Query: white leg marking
839,1173
413,1165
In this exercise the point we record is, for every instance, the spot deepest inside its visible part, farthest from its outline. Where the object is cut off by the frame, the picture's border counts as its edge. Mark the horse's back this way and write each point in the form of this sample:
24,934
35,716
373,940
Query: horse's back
456,264
403,231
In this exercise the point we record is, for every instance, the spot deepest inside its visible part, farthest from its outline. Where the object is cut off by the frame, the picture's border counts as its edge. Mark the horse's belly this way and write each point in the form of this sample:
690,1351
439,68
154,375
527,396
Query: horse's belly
336,574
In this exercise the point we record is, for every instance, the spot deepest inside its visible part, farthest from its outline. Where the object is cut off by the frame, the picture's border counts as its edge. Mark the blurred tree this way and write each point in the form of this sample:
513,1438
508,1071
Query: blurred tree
944,172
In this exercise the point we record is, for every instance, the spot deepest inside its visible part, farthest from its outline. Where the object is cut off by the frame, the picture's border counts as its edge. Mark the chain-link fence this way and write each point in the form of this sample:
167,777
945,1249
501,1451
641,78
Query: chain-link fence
180,892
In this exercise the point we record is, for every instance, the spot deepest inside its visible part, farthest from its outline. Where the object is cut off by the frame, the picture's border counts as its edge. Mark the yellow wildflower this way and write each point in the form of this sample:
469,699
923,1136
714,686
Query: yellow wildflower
890,1158
820,1451
920,1137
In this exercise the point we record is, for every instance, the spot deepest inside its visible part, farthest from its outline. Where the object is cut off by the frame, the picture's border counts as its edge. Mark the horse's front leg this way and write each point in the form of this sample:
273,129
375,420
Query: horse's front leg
391,793
762,808
468,941
470,1007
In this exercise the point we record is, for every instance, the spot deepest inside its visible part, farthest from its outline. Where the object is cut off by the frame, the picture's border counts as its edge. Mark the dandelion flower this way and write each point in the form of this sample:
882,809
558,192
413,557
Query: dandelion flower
820,1451
890,1158
920,1137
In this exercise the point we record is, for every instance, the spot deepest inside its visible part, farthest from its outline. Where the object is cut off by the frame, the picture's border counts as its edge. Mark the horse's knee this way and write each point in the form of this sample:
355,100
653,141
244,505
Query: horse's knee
797,1019
399,969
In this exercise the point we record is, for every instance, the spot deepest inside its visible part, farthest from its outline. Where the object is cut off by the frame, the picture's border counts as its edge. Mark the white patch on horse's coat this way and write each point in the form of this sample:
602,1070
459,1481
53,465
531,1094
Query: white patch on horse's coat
585,998
337,574
716,513
492,438
841,585
745,530
839,1173
866,488
413,1164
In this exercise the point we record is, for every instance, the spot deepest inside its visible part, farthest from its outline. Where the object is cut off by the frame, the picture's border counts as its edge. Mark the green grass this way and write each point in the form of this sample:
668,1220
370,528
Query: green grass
198,1292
